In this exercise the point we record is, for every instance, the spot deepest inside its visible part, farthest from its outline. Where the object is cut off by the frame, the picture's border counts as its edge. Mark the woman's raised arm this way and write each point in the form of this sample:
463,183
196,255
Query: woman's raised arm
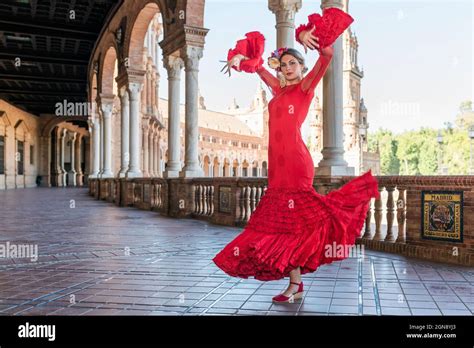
311,80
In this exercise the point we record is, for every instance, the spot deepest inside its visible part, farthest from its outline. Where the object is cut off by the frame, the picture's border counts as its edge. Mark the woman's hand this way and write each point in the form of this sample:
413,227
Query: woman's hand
309,40
235,61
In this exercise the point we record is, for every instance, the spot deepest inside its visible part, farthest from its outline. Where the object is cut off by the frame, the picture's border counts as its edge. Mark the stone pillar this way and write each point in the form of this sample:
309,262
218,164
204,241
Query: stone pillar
106,104
77,157
157,152
101,142
145,153
333,162
45,160
150,91
173,66
134,89
151,145
62,171
284,11
56,174
71,175
87,160
192,55
125,131
95,148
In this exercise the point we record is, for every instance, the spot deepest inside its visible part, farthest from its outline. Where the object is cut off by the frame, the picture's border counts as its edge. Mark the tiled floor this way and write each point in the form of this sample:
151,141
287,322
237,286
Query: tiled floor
97,259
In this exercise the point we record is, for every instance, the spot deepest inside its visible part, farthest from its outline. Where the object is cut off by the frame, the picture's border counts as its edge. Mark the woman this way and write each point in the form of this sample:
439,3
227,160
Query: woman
293,227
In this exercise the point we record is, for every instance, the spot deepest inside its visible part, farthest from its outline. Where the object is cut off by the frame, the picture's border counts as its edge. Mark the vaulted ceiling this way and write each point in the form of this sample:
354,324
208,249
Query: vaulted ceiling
45,46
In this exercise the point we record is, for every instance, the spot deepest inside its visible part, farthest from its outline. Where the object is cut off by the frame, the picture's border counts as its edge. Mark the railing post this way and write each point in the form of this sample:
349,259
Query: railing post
390,213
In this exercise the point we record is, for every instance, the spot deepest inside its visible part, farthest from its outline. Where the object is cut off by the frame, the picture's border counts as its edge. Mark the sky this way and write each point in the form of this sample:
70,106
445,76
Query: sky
417,57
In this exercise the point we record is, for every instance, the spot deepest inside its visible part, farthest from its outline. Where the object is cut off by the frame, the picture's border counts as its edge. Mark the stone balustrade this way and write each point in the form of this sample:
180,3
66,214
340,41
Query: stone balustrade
393,223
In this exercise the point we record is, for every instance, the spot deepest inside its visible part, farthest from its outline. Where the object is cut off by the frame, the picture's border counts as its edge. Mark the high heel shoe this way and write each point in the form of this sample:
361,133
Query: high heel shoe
294,296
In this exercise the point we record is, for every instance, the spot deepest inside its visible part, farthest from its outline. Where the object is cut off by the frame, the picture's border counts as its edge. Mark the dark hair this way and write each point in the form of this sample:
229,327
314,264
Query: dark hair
295,53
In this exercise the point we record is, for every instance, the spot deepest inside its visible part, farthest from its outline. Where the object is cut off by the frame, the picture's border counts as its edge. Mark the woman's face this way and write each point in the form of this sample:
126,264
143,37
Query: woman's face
291,68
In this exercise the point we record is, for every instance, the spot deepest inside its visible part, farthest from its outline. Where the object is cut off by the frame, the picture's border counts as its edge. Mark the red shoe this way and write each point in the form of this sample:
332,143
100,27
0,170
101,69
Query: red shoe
295,296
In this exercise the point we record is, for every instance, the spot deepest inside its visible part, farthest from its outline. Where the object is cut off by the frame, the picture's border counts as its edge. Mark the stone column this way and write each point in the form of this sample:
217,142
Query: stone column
149,89
96,148
125,131
157,152
151,145
284,11
134,89
56,174
77,157
333,162
45,160
145,158
173,66
61,161
192,55
71,175
87,160
106,104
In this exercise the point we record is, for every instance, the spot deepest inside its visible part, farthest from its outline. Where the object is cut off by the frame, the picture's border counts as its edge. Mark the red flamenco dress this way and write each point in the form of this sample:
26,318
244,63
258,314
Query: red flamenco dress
292,224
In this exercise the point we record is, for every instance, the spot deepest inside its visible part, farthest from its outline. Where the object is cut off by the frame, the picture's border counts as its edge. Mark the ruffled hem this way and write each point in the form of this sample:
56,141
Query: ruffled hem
291,228
329,26
252,47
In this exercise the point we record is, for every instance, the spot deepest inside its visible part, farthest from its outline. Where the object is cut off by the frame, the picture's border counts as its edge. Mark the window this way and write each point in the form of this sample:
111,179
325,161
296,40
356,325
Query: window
2,154
32,154
20,156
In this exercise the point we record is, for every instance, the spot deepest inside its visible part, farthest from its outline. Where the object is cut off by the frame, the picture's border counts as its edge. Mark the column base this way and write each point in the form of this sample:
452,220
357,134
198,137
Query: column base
171,174
135,174
191,173
106,175
334,170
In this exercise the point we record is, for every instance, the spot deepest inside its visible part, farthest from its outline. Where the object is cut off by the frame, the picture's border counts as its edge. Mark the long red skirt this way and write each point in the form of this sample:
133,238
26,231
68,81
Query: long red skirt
297,227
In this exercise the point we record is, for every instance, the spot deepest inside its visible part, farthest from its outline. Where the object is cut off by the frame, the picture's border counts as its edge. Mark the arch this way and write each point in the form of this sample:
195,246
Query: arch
264,168
108,72
4,119
53,122
136,36
206,165
215,167
226,169
255,168
245,168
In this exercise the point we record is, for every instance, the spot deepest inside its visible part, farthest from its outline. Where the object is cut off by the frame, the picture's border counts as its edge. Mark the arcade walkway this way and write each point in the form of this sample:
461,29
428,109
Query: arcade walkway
97,259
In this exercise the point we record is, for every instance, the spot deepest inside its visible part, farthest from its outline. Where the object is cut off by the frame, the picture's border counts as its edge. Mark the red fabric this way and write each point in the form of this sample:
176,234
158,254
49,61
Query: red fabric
329,26
252,47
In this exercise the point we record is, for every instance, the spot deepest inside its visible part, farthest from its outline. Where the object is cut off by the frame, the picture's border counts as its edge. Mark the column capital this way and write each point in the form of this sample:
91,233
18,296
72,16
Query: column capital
191,56
106,108
332,3
173,65
134,89
284,9
123,93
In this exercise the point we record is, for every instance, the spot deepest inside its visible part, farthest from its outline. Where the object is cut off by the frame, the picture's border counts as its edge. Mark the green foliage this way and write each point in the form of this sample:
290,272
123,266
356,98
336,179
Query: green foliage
418,152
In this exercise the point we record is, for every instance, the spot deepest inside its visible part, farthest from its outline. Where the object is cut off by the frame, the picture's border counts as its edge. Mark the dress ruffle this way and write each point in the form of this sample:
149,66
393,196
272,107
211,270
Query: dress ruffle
292,227
329,26
252,47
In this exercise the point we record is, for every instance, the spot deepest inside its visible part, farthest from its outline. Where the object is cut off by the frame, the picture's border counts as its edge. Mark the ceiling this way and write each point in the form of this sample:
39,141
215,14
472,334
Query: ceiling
45,47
